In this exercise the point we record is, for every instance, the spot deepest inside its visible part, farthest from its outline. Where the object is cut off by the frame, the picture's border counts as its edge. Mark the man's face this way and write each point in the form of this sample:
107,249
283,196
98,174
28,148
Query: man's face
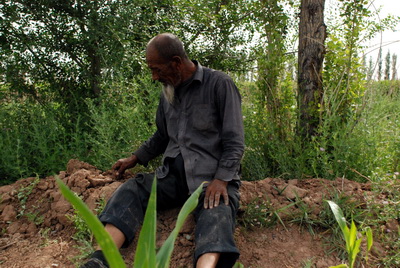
166,72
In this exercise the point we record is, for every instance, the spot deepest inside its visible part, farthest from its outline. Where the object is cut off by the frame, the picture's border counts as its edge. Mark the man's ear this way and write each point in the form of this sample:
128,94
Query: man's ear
177,61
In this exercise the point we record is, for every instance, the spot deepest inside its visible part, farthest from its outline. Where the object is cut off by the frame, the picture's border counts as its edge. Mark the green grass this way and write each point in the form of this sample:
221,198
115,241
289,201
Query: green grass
83,237
385,206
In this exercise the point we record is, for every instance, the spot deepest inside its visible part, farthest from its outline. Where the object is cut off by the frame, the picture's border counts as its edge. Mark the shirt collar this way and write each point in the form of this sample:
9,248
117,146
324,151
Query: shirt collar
197,76
199,72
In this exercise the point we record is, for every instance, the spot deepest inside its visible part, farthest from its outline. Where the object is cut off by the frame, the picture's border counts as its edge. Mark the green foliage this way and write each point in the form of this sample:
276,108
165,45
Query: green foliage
352,24
33,140
385,207
221,39
74,47
238,265
352,209
309,263
122,122
37,139
146,249
260,213
83,236
145,255
363,146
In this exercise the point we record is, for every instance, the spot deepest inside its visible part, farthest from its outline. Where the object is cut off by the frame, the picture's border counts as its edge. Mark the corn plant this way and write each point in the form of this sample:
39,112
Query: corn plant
350,236
146,255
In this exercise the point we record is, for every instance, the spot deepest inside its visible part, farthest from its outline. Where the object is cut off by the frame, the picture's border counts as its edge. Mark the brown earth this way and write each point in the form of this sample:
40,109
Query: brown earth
37,232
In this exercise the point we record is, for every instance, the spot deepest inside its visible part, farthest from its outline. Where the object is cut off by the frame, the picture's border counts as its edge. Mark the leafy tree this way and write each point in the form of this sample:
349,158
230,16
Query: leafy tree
387,66
370,69
271,59
380,69
72,47
343,70
218,32
394,66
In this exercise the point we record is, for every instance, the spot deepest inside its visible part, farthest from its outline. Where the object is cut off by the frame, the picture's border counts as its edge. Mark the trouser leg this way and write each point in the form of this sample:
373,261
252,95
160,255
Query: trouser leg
126,208
215,228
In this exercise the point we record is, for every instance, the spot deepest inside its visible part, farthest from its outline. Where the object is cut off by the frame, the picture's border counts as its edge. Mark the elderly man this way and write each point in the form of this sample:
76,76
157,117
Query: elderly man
200,134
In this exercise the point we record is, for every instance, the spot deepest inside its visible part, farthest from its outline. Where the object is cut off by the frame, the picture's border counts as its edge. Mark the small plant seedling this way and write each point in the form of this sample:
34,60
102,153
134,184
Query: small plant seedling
350,236
309,263
23,195
280,191
238,265
35,218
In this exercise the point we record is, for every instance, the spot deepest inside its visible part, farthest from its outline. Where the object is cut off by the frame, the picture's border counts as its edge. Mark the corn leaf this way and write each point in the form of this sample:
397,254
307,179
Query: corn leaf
337,212
353,234
354,252
145,256
104,240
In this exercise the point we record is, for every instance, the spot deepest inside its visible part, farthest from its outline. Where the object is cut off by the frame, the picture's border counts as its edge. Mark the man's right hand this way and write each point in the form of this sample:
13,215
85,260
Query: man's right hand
123,164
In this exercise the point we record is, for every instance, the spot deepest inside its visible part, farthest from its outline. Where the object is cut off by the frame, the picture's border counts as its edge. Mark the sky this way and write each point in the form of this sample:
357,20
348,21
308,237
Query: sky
390,40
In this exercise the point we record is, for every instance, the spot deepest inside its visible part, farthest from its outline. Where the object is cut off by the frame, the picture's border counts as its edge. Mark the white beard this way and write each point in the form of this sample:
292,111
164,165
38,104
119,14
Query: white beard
169,92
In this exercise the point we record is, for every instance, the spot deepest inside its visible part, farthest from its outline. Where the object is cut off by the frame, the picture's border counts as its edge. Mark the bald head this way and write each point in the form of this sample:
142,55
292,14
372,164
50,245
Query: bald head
167,46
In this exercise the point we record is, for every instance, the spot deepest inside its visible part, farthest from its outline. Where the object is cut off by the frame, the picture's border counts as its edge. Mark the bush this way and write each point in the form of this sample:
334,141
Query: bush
363,144
40,139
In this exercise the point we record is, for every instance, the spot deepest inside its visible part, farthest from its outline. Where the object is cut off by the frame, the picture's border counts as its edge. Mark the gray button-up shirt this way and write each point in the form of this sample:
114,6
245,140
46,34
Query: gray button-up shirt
204,124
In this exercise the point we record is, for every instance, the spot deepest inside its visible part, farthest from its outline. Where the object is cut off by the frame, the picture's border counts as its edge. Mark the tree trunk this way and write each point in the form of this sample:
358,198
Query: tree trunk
312,35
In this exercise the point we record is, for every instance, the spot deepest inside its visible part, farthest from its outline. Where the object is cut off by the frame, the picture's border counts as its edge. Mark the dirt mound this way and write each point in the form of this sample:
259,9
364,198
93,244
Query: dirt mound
37,230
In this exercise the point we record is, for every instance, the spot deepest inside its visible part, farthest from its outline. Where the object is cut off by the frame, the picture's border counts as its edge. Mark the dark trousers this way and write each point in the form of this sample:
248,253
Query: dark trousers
214,227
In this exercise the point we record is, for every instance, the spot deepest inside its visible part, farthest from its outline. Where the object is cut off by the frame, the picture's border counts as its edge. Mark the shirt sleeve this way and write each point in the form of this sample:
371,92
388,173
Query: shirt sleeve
157,143
232,130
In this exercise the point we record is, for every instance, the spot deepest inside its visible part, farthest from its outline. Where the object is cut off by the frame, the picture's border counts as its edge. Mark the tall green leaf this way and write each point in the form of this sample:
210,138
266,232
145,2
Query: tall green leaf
338,213
370,239
145,255
105,241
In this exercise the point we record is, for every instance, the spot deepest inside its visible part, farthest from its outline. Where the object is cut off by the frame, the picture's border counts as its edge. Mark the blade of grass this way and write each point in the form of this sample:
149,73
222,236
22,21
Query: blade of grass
145,255
104,240
370,239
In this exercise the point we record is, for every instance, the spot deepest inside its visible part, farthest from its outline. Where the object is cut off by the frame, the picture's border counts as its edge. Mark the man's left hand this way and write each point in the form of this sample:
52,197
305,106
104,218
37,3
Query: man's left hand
214,191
